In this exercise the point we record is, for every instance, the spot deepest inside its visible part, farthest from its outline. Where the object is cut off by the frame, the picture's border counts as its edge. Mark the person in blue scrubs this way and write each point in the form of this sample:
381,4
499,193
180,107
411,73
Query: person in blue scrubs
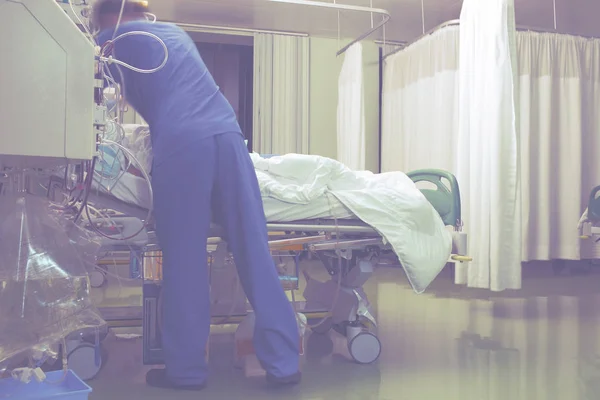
201,171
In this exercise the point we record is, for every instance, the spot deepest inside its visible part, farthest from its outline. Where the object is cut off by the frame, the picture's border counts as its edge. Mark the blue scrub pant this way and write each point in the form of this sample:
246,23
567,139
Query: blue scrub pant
216,174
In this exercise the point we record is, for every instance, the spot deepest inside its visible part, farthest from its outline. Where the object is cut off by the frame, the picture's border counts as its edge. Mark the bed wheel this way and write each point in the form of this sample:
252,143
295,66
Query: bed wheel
323,327
97,279
365,348
85,362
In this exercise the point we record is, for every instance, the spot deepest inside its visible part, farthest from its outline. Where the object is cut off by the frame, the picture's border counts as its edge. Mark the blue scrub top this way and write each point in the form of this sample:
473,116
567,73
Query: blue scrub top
181,102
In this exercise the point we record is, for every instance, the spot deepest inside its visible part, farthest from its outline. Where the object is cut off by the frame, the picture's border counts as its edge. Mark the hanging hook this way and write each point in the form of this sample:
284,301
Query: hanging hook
554,5
423,15
339,26
384,44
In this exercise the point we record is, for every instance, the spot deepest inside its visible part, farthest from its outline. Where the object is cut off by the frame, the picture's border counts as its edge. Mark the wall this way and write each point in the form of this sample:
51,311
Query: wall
325,68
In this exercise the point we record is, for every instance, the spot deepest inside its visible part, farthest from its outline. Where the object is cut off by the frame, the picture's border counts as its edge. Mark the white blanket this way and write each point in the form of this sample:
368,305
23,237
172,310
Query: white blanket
390,203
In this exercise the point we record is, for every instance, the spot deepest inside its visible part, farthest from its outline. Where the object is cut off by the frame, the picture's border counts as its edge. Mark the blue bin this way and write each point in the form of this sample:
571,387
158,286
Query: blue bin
69,388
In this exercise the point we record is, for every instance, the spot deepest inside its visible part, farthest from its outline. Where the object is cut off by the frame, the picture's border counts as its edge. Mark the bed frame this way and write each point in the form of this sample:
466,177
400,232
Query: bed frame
349,251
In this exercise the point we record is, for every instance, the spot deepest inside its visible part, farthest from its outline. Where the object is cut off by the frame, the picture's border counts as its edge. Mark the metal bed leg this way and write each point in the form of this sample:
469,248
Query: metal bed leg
350,313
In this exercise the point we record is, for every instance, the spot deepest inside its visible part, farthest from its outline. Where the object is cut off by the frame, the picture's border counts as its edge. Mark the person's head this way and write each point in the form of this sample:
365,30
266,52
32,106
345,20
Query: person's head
105,13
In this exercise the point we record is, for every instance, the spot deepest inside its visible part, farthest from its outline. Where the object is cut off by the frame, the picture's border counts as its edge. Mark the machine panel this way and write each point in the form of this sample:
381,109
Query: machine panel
47,86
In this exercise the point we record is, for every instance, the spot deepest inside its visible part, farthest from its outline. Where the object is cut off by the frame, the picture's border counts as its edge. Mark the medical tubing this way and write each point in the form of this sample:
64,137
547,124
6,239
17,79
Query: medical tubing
119,89
110,58
88,188
87,29
98,214
120,18
66,179
116,276
98,231
119,279
149,14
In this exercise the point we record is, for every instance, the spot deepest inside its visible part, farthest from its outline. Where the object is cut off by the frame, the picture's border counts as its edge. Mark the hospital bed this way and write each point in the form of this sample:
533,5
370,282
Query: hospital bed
589,224
348,249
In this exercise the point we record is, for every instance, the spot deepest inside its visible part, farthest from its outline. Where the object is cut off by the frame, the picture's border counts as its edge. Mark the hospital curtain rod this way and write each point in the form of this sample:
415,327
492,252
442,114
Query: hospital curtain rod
390,42
345,7
456,22
246,31
429,32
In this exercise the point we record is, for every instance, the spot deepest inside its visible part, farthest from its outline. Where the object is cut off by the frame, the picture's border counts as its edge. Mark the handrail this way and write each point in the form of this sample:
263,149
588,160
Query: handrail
241,31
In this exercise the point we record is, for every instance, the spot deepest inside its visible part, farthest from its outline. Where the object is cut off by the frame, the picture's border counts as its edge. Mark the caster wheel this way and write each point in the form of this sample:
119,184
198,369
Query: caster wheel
323,327
97,279
82,361
365,348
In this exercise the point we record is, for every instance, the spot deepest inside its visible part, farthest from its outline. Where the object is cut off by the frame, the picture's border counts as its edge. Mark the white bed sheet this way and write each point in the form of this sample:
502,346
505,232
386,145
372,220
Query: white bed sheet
133,190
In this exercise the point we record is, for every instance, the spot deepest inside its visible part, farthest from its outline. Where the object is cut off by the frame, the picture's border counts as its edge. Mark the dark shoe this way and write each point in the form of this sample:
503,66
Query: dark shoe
284,381
158,378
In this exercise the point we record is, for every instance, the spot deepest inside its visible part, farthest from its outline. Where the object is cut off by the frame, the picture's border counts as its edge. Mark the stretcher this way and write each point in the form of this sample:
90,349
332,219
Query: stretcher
348,249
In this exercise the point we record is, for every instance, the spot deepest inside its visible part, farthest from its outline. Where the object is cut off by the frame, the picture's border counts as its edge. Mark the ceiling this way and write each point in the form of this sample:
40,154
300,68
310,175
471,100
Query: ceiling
573,16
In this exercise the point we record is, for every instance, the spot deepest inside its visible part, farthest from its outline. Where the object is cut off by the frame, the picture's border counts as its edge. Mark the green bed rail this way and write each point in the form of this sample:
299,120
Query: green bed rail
445,198
594,205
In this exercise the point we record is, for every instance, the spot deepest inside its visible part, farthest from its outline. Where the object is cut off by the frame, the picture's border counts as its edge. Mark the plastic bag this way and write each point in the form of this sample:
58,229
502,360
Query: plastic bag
44,285
140,144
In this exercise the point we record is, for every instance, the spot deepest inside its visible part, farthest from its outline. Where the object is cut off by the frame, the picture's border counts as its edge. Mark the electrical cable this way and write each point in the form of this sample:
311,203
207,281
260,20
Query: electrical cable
87,188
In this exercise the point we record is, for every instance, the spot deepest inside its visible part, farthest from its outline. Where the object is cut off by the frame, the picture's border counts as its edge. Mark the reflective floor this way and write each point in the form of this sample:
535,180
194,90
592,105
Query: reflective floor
540,343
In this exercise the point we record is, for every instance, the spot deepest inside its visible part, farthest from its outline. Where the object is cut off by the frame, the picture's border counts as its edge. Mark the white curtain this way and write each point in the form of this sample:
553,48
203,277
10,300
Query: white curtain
560,128
350,111
487,154
281,94
559,125
420,105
